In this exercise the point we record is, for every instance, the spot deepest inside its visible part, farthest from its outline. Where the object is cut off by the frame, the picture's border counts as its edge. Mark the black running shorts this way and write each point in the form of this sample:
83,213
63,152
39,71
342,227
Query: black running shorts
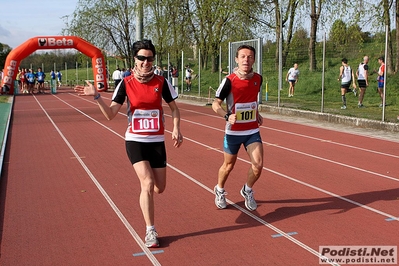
153,152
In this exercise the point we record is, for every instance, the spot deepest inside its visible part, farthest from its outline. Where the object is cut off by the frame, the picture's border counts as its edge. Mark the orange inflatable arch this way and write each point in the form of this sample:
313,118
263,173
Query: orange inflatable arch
54,42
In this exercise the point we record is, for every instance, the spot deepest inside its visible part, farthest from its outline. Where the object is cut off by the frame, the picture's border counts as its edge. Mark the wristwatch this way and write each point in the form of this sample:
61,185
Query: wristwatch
97,96
226,116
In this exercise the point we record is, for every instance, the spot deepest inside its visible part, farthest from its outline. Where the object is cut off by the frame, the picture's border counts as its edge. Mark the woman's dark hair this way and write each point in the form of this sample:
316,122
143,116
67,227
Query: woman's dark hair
143,44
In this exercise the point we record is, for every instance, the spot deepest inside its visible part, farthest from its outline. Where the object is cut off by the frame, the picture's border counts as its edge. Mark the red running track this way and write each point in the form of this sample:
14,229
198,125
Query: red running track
69,195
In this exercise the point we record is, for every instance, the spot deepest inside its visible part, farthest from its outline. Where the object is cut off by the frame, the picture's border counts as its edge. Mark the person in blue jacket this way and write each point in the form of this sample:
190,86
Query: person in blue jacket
40,76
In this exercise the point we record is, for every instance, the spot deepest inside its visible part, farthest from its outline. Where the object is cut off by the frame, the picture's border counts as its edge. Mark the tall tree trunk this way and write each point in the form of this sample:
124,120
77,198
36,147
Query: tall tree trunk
139,20
293,4
397,35
314,19
387,20
278,35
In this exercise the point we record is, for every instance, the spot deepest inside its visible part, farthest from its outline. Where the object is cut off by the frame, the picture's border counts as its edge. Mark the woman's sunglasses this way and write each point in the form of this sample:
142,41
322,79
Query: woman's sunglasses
143,58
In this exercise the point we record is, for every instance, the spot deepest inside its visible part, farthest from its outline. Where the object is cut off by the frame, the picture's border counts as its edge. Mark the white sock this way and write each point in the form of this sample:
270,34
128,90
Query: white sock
247,188
219,189
150,228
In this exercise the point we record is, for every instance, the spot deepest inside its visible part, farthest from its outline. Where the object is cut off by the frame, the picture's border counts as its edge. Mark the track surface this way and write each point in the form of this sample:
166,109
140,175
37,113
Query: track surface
69,195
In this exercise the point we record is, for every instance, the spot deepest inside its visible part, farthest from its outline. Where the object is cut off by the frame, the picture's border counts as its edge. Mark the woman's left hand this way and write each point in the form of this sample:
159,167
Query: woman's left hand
178,138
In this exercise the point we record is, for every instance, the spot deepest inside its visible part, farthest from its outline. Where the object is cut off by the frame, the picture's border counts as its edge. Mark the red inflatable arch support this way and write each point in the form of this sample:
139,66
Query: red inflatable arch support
54,42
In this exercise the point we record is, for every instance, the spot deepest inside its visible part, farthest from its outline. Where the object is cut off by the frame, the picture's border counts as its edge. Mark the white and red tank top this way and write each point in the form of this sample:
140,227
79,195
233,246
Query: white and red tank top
241,99
144,107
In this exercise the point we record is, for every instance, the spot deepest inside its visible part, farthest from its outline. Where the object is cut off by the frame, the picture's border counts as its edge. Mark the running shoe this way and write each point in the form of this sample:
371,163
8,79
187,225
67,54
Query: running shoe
250,202
151,240
355,92
360,105
343,107
220,199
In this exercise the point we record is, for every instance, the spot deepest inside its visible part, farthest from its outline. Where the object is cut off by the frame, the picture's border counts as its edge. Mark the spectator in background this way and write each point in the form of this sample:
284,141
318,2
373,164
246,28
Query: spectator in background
31,79
380,78
18,79
347,77
170,71
158,71
52,78
175,76
189,73
40,76
2,89
292,78
117,76
24,84
362,74
165,73
127,73
107,71
59,78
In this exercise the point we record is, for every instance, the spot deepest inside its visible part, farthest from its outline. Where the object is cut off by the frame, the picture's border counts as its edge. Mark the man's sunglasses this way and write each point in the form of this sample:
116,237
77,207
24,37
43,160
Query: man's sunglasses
143,58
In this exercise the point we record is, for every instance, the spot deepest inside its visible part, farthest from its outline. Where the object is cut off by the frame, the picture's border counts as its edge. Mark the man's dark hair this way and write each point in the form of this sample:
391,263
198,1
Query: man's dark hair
381,58
143,44
345,60
244,46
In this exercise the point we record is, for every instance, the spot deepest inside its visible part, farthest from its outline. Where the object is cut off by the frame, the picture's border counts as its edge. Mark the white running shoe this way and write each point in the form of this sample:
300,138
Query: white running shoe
250,202
151,240
220,199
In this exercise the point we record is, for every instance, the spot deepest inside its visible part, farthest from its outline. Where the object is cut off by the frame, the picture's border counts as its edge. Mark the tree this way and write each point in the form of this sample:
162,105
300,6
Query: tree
385,20
211,24
345,39
387,4
276,15
107,24
4,51
354,39
397,35
290,20
160,29
338,34
315,10
300,41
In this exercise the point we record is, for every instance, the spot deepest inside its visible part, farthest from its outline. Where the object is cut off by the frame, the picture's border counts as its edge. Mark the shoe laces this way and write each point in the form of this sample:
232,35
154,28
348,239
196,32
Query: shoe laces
151,235
250,195
221,194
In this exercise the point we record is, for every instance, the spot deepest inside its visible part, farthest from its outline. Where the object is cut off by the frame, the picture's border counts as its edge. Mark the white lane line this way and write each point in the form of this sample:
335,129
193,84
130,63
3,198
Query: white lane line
333,142
306,184
314,138
305,154
125,222
390,216
291,178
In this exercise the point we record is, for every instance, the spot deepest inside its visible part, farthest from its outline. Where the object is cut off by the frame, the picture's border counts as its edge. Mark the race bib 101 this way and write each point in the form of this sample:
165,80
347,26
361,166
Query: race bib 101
145,121
246,112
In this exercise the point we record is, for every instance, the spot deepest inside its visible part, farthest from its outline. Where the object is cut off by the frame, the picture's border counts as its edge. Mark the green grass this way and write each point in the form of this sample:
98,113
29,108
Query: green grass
4,99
